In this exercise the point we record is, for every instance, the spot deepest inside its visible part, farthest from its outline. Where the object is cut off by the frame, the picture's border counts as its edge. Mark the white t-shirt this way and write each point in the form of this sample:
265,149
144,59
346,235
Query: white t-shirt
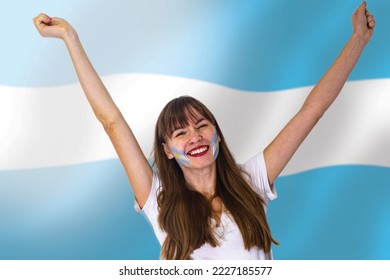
228,233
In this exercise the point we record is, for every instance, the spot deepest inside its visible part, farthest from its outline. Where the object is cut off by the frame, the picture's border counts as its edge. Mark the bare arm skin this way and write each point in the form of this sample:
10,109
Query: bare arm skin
278,153
137,167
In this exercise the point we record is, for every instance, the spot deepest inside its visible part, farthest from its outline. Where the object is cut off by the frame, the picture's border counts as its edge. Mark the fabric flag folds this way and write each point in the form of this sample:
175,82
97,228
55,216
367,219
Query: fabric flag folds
63,191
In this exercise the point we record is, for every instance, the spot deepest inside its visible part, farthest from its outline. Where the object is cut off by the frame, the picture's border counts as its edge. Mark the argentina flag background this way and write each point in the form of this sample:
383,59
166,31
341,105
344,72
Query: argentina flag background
63,191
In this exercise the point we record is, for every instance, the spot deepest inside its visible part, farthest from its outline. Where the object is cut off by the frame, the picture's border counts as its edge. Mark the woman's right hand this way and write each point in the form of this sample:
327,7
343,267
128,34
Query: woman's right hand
136,165
53,27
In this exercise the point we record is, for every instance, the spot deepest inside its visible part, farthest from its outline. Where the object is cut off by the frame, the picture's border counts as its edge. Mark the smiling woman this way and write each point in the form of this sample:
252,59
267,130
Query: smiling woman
200,202
203,196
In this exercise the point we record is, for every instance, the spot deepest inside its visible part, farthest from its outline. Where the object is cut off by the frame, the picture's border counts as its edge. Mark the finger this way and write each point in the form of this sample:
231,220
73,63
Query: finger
362,7
56,20
371,22
361,10
42,18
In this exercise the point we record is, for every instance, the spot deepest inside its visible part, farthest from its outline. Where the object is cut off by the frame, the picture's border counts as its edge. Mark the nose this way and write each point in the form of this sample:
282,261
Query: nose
195,136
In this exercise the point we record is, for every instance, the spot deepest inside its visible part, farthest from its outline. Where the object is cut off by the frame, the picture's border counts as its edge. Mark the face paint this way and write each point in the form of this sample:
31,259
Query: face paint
215,144
180,157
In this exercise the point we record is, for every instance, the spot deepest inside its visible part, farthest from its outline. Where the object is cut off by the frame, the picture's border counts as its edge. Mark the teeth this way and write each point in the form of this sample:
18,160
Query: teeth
198,151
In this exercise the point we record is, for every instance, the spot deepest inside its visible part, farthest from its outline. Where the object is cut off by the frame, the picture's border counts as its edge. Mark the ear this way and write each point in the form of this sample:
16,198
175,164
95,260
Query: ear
219,138
167,151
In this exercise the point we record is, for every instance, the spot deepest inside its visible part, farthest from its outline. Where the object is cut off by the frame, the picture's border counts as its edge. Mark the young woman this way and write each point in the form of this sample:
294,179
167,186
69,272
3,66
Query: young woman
201,203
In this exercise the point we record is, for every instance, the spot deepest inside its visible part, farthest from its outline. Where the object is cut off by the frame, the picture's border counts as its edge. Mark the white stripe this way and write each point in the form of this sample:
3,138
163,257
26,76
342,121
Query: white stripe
45,127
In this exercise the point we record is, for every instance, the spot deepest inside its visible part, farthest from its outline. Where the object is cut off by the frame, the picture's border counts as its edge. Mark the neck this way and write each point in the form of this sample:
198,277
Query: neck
203,180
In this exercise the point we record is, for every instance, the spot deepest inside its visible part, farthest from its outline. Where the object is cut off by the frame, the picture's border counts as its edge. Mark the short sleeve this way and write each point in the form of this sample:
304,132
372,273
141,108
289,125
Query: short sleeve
151,202
257,171
150,209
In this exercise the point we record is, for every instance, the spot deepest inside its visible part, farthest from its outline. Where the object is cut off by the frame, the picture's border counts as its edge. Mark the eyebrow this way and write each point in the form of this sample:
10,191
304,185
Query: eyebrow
178,127
200,120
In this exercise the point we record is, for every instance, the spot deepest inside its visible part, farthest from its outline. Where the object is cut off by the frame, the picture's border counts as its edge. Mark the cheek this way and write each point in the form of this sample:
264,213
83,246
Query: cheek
180,156
215,145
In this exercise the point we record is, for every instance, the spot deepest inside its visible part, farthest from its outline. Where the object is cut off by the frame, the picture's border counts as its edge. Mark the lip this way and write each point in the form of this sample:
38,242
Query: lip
198,151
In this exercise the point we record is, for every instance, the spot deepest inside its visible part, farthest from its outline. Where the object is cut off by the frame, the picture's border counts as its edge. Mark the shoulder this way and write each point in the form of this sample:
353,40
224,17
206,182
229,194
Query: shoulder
151,202
256,170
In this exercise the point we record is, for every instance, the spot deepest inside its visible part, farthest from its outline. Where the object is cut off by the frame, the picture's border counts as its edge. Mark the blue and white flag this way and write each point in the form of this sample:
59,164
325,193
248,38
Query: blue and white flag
63,191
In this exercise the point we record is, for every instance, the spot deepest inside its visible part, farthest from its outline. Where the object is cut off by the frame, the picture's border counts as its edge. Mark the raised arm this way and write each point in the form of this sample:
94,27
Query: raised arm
282,148
137,168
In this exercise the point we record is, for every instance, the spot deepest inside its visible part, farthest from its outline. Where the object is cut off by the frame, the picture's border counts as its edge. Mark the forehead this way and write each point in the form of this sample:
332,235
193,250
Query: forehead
193,116
190,117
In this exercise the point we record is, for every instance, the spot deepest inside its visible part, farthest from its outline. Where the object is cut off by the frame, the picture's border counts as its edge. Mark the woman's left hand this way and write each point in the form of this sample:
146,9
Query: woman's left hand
363,22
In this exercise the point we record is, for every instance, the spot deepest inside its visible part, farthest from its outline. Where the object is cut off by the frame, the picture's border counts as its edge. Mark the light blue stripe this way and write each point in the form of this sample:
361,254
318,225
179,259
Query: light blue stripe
333,213
75,212
86,212
250,45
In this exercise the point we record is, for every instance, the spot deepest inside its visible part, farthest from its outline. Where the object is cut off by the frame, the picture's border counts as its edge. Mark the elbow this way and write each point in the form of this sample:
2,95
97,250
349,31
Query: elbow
317,116
311,115
109,123
312,112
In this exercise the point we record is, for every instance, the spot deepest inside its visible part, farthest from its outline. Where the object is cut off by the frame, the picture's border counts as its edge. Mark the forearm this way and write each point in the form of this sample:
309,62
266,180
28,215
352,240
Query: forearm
98,96
282,148
331,84
285,144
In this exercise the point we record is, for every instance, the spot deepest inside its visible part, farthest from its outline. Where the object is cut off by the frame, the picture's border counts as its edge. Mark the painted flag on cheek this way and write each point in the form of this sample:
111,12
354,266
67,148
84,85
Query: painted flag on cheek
63,191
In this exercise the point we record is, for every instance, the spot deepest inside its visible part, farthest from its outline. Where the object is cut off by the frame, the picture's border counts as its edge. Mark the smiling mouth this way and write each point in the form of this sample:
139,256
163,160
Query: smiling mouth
198,152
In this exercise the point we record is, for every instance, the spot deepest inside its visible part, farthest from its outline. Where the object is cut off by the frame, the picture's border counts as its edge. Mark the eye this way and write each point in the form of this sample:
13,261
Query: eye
201,125
178,133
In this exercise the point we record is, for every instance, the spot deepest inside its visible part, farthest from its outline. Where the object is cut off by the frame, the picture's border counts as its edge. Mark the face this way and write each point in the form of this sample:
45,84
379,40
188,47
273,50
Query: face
194,146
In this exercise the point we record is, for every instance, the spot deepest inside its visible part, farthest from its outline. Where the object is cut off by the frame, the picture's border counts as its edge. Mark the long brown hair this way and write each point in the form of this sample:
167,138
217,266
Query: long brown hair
184,213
